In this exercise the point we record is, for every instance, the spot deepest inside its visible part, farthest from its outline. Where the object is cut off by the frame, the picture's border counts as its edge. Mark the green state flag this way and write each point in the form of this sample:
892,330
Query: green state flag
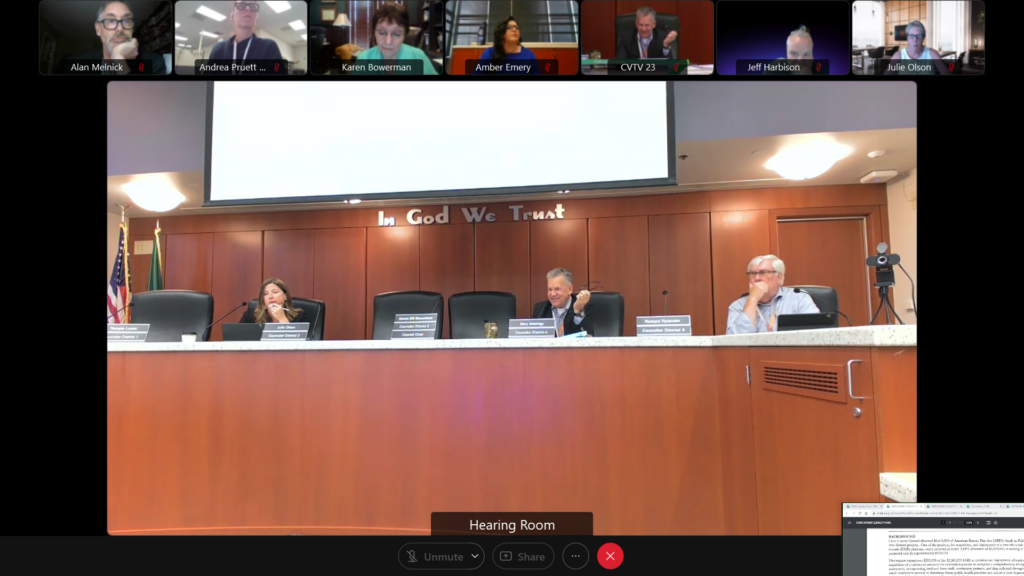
156,276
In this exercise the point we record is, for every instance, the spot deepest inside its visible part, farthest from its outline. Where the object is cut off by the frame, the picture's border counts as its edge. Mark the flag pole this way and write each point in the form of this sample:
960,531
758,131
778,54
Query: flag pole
127,266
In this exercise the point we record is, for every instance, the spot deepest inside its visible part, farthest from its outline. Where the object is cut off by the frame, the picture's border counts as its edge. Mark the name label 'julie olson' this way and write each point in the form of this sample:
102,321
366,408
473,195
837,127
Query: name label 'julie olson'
286,331
472,214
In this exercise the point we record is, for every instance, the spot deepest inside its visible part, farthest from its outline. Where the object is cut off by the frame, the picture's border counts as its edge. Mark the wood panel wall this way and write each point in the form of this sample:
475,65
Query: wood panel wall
695,245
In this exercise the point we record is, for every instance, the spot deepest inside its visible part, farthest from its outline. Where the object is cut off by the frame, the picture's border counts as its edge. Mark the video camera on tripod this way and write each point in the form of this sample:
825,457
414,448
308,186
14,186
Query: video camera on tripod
886,278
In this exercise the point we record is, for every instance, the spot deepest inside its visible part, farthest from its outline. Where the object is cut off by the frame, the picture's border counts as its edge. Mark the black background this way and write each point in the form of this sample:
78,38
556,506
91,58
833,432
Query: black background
55,407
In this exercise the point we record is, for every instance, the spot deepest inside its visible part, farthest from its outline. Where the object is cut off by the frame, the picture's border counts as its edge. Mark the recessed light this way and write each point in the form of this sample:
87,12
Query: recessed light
181,45
177,25
180,38
876,154
297,25
211,13
210,34
279,6
154,194
808,160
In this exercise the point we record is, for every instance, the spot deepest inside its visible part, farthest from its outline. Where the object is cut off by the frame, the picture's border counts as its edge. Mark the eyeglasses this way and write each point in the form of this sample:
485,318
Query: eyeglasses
918,36
512,27
111,23
760,272
252,6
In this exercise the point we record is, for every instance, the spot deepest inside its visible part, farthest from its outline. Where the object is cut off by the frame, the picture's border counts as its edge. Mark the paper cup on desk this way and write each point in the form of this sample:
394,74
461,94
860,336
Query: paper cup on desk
491,330
188,336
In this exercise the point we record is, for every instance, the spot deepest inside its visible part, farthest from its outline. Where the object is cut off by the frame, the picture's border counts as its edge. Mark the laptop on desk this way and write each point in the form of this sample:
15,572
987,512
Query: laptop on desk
253,332
807,321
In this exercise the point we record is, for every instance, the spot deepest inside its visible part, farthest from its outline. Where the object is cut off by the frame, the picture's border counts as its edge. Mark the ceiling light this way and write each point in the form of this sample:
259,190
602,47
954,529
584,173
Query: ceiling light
279,6
180,38
297,25
211,13
878,176
303,36
354,201
177,25
210,34
181,45
876,154
153,193
808,160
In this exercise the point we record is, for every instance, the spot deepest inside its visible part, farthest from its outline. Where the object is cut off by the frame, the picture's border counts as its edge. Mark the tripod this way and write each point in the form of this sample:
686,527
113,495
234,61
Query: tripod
883,293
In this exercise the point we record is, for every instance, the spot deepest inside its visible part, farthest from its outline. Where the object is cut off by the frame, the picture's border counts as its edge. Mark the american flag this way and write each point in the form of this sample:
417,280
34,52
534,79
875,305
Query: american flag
119,291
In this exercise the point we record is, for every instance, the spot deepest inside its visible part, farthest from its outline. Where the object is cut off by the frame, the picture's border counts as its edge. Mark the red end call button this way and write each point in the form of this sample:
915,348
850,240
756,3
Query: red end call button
609,556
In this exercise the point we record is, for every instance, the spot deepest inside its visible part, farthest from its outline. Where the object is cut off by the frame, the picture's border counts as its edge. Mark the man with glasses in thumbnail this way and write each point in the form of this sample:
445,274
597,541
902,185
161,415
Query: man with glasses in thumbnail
923,59
648,42
245,45
799,46
759,309
115,25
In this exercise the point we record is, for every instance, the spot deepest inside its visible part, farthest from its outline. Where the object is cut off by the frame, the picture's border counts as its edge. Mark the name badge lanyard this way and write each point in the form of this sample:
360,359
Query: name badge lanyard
766,321
560,320
643,53
234,50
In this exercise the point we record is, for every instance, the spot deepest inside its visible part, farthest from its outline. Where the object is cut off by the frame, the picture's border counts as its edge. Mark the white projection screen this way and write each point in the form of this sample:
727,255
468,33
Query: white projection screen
292,142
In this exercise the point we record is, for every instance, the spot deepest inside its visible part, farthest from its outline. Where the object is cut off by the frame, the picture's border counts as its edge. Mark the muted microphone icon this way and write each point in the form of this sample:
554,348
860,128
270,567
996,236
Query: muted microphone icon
412,555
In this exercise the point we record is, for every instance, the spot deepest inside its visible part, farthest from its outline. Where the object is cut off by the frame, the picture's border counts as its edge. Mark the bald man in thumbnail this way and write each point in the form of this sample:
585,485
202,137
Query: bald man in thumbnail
648,41
799,46
115,25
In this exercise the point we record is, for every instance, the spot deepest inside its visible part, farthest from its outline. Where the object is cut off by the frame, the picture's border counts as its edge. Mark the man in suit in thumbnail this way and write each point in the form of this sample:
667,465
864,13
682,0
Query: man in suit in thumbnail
648,41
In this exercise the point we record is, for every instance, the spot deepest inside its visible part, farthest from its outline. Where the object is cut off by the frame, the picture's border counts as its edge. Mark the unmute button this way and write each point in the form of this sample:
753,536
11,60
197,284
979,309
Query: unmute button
441,556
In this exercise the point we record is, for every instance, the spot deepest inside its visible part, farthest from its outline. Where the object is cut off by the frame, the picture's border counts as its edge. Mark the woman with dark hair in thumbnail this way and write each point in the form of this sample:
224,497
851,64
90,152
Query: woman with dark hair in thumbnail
390,25
923,59
508,49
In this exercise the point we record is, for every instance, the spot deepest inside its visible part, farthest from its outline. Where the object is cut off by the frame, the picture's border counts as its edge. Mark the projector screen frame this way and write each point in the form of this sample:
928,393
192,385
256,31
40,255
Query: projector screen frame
670,180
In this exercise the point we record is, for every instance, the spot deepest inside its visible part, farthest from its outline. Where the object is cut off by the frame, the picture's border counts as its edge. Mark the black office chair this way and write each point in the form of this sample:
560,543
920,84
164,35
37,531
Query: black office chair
417,38
608,311
315,312
171,313
625,27
958,68
319,51
468,311
822,295
386,305
414,37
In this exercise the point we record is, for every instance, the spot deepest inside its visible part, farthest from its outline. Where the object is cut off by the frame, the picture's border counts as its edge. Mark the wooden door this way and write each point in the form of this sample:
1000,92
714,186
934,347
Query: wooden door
829,252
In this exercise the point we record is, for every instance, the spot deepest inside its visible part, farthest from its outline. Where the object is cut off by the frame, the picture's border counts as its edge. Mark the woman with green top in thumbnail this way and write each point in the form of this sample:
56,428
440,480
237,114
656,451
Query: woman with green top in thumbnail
508,51
390,24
